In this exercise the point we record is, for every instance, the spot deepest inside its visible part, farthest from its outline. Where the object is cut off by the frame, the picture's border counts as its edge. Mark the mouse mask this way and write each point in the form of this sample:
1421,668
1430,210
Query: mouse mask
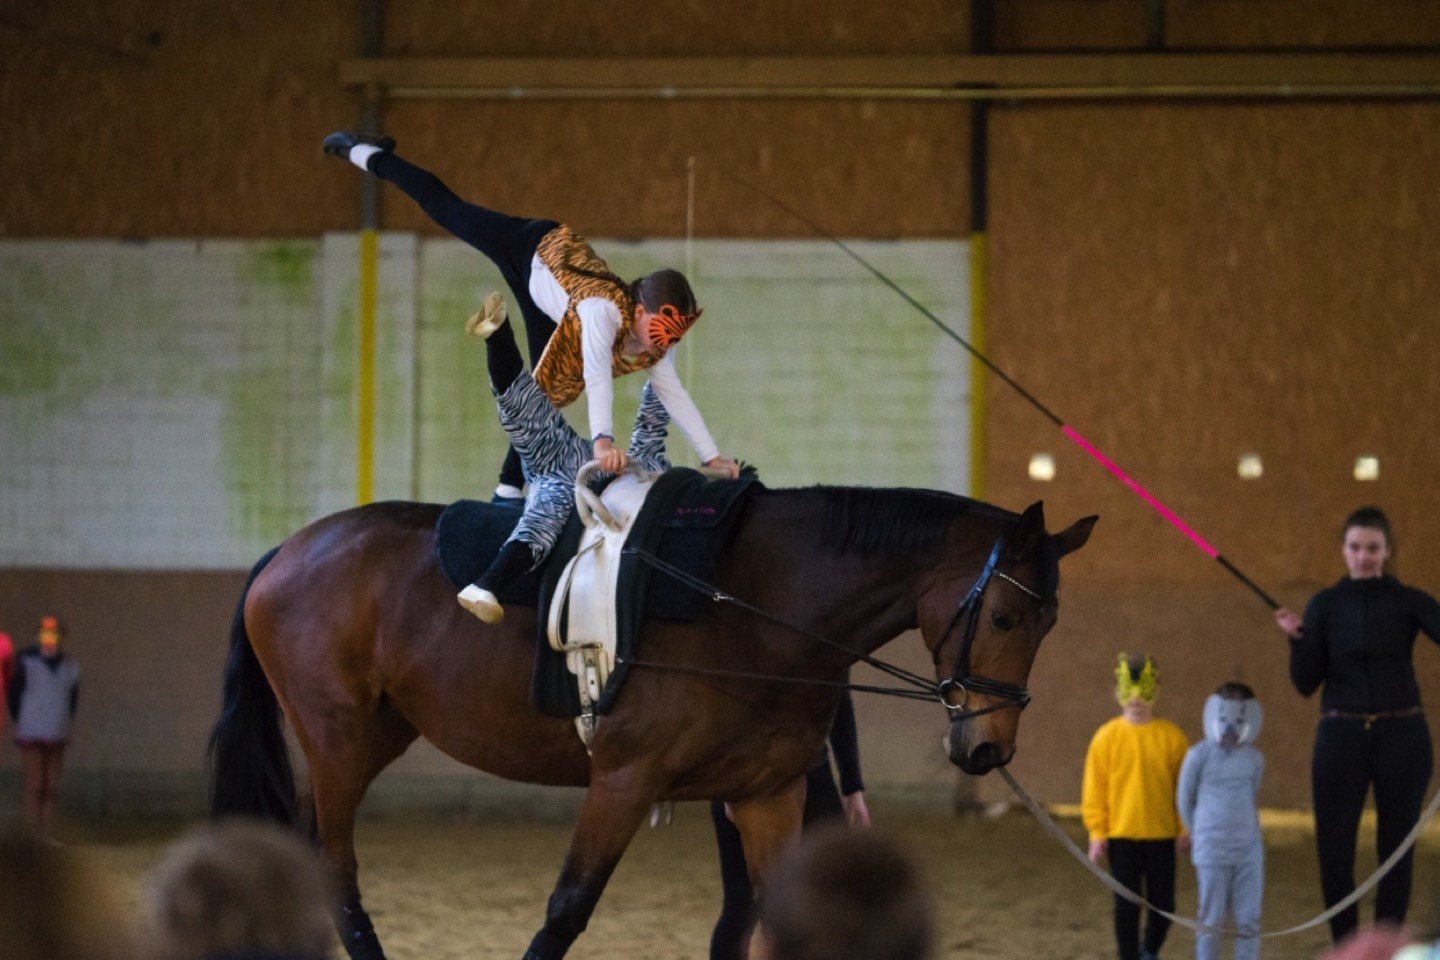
1232,723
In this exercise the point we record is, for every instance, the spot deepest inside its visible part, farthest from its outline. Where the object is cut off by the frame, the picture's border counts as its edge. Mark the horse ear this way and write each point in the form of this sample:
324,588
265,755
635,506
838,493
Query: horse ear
1074,537
1028,530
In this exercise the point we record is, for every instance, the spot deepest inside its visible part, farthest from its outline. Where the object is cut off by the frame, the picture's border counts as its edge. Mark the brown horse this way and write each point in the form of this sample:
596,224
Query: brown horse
352,630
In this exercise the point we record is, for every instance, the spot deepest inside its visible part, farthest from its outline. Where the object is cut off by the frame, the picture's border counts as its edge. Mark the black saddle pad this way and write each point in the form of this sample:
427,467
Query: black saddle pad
687,520
693,522
467,537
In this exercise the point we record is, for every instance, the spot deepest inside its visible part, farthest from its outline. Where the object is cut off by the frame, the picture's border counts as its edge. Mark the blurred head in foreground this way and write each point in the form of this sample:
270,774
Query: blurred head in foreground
241,887
54,905
843,894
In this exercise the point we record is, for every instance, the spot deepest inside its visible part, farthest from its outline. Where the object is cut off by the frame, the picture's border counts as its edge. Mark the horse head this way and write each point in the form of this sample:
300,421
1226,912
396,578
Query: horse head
985,630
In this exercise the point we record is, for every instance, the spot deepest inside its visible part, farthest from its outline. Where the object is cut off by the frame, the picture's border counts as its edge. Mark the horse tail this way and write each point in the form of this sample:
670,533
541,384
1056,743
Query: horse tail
250,772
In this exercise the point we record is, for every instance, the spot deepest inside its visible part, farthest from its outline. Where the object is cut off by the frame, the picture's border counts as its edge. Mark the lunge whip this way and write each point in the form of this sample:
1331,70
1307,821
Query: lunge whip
1065,428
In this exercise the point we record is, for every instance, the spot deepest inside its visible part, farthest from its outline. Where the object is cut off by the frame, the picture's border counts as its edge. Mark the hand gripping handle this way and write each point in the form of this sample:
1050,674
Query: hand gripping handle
587,503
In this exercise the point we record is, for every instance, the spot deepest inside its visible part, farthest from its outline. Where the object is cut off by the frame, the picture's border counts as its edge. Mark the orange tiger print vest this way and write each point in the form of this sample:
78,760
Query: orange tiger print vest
560,372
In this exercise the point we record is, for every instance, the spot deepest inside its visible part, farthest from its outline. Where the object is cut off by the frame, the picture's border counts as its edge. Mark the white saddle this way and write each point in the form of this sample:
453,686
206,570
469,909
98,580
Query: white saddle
582,621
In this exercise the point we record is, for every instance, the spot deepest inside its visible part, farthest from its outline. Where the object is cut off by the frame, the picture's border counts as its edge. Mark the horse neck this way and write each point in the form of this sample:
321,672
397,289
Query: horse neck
858,599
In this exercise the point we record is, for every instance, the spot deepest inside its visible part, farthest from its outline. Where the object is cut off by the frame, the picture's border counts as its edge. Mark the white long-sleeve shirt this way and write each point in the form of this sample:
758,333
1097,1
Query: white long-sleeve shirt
600,324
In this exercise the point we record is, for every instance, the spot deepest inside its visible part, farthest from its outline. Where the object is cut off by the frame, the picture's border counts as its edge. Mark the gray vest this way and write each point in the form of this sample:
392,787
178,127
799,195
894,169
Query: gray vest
45,704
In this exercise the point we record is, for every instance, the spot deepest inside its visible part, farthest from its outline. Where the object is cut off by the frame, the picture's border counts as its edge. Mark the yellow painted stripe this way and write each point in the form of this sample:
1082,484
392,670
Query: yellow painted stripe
365,416
978,433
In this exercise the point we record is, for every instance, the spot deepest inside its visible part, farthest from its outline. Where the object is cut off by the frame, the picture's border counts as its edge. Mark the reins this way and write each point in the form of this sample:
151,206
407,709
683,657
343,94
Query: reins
926,689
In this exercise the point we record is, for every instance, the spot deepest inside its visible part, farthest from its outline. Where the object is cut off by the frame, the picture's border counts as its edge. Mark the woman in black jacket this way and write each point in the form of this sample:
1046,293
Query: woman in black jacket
1356,640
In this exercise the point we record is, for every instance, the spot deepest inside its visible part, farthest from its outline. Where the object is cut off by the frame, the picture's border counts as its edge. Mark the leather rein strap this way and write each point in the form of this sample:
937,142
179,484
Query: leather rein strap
923,688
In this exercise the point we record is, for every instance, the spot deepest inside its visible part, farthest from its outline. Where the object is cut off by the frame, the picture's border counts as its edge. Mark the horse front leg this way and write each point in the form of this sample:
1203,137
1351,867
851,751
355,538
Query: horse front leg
767,825
616,803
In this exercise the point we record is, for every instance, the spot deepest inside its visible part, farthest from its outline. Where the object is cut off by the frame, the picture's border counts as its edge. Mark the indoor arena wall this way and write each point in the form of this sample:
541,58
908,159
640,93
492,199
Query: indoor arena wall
1181,281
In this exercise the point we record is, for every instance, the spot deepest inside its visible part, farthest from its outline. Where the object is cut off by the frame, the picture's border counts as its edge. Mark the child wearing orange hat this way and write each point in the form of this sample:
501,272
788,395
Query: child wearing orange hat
43,694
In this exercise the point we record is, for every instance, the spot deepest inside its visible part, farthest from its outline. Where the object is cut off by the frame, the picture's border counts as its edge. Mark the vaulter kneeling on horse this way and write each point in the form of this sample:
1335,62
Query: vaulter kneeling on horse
551,454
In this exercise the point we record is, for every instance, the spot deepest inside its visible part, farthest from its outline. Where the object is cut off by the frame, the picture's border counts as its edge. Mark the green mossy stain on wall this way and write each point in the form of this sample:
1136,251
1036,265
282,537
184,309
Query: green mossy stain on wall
35,353
286,268
460,444
268,451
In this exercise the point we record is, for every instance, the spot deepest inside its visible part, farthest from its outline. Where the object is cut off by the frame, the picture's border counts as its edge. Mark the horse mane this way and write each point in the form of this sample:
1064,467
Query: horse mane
872,520
1047,566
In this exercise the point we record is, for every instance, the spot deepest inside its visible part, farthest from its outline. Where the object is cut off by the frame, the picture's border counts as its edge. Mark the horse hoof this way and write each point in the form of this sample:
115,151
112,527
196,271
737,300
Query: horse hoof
482,603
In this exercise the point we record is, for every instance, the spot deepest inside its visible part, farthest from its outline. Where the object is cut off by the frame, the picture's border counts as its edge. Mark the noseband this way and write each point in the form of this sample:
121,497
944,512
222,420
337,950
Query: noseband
962,680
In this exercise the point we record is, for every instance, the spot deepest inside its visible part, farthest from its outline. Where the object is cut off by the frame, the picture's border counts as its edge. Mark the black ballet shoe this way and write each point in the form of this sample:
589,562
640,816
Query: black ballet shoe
338,144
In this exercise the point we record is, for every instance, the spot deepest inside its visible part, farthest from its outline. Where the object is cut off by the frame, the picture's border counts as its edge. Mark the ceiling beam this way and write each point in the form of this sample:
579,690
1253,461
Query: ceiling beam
1003,76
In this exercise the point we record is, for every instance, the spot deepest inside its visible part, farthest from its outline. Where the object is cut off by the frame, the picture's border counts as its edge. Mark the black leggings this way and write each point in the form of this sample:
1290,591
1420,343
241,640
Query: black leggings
1148,868
1394,754
509,242
822,801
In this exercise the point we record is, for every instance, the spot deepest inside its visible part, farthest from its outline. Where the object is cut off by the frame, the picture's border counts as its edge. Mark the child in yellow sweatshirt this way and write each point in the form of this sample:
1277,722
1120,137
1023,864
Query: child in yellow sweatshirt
1128,804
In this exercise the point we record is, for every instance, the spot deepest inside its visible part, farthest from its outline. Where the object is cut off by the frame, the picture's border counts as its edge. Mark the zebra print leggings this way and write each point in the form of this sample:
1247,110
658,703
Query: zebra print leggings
551,453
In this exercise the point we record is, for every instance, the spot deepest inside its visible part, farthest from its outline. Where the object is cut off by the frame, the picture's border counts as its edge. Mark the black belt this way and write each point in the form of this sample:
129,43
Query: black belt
1369,718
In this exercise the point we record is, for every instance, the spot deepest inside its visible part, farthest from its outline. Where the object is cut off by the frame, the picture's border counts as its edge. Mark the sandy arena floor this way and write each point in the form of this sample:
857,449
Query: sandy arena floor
478,891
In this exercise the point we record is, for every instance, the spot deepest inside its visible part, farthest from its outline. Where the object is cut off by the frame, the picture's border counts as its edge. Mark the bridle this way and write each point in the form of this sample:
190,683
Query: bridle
1011,694
963,681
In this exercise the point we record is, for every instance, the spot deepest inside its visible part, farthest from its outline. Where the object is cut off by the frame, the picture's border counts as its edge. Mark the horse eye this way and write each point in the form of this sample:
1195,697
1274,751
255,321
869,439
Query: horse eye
1002,621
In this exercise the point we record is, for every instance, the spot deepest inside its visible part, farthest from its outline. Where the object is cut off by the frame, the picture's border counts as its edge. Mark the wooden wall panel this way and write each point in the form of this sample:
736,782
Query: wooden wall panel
216,131
619,168
1068,25
1277,23
744,27
1215,24
1186,284
212,131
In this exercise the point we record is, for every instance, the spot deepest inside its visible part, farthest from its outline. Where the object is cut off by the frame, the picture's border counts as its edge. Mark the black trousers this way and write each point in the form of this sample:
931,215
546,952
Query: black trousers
509,242
1148,868
1394,755
822,801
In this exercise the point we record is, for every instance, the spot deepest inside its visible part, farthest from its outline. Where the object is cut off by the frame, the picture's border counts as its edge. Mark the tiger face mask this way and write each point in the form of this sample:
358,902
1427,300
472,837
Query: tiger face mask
667,325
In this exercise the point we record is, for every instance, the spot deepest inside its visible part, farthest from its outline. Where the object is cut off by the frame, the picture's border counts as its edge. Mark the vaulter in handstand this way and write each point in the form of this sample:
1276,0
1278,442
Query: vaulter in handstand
551,454
585,325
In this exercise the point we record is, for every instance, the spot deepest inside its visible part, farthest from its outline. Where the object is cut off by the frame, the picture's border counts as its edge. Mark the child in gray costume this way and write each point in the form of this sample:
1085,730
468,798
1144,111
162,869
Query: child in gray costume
1216,799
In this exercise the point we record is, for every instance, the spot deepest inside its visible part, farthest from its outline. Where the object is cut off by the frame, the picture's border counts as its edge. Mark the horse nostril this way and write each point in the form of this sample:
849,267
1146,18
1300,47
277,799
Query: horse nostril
986,756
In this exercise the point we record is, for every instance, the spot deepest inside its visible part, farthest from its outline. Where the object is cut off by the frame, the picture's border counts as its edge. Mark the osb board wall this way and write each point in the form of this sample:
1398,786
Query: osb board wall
1187,284
619,169
1184,284
1215,24
180,119
171,119
562,28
